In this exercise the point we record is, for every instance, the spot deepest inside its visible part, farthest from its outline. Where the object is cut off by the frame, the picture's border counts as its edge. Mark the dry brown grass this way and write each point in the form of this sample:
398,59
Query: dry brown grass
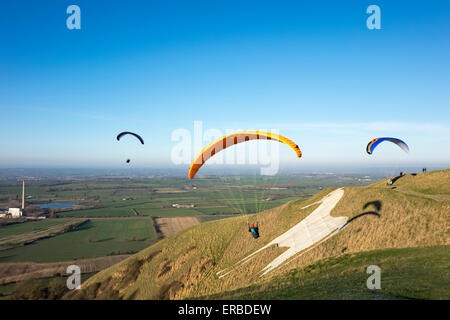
171,225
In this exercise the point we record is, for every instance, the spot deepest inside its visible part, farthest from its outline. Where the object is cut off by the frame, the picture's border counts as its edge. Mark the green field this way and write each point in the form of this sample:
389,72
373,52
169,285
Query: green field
93,239
22,228
219,195
101,212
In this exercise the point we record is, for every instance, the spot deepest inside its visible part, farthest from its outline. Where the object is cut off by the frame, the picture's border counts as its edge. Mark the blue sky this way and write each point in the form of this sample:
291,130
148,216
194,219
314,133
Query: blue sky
311,70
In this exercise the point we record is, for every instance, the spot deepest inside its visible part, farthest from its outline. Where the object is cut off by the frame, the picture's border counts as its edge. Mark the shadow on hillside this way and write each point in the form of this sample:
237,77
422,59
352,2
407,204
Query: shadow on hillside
101,240
85,226
393,180
376,204
364,214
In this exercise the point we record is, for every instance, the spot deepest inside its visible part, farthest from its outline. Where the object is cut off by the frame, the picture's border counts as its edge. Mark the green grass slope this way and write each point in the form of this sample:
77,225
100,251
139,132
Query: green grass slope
95,238
408,273
412,213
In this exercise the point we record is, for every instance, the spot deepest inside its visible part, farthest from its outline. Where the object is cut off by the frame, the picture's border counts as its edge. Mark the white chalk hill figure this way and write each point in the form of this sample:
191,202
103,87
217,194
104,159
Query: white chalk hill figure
311,230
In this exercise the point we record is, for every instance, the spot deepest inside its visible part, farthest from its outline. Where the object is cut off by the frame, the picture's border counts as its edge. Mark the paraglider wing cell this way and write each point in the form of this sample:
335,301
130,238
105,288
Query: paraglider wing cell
235,138
375,142
120,135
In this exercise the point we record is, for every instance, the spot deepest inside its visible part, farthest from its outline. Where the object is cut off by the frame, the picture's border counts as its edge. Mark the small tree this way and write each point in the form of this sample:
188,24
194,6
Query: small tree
57,288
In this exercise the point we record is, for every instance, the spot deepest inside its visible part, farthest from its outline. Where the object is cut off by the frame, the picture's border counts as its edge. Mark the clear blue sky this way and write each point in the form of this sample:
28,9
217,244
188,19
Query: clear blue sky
310,69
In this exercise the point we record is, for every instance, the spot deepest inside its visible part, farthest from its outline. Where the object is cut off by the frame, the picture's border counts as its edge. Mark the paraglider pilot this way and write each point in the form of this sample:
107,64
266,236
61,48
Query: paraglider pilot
253,229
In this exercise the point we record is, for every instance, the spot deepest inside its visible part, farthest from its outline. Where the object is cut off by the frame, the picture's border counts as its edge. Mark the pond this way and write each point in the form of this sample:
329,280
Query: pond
56,205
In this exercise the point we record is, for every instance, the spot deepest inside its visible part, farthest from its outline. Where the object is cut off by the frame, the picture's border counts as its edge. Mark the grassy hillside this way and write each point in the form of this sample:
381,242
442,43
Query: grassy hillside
409,273
412,213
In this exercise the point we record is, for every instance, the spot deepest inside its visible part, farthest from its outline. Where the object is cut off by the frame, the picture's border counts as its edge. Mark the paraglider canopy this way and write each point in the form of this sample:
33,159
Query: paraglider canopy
375,142
235,138
120,135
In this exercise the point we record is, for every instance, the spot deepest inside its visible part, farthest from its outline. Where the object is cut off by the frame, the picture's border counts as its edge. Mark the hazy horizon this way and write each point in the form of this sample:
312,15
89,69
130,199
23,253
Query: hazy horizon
381,171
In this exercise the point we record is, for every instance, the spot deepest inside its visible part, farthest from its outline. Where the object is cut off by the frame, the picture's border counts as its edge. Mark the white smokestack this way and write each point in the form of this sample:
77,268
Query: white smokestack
23,194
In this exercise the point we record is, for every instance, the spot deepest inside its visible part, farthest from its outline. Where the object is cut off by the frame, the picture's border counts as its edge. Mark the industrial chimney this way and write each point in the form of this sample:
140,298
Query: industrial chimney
23,194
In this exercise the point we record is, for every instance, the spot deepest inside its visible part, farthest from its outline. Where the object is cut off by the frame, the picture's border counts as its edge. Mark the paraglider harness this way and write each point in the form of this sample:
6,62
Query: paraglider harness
253,229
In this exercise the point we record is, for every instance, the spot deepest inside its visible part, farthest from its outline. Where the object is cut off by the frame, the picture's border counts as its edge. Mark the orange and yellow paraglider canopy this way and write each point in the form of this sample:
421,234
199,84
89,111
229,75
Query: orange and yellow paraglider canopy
233,139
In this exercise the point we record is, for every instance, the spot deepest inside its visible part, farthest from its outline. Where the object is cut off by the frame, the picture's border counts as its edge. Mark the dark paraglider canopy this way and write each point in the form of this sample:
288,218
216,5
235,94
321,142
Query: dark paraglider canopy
120,135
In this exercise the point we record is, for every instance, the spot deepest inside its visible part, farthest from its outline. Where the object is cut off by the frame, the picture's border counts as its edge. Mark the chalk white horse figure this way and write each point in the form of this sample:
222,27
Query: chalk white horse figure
314,228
